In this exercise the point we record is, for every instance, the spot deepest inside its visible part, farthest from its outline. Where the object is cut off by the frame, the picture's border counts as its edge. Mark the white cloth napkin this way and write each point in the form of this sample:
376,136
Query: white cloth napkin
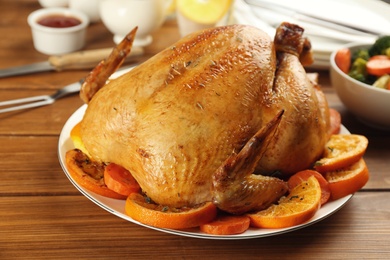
369,14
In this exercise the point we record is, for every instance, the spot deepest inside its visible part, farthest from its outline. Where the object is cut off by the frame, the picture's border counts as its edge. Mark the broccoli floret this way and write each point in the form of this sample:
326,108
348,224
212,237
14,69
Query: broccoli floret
358,70
380,46
360,53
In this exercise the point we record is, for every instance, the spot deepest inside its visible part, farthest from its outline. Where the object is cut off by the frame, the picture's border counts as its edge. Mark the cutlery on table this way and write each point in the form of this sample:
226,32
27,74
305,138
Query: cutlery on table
42,100
77,60
36,101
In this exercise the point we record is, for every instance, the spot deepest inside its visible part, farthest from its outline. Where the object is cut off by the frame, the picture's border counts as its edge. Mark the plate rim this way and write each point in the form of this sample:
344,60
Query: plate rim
65,144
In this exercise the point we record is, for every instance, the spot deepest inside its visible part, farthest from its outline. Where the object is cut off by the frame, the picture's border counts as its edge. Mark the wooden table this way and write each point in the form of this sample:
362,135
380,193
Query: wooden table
43,216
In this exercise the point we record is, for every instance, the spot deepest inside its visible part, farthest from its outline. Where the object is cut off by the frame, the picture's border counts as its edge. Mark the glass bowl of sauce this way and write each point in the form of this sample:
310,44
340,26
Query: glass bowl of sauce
58,31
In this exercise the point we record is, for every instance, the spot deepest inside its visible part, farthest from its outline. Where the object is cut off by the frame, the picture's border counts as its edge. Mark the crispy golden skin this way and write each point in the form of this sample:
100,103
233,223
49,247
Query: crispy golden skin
175,119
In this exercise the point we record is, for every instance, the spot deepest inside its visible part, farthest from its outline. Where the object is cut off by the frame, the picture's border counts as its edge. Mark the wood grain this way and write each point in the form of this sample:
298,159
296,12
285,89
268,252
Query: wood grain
80,228
43,216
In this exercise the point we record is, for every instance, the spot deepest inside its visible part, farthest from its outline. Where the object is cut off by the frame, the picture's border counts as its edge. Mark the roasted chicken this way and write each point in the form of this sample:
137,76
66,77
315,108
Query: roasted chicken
208,118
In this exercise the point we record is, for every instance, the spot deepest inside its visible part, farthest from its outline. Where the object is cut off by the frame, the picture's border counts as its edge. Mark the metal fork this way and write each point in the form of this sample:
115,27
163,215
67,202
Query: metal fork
42,100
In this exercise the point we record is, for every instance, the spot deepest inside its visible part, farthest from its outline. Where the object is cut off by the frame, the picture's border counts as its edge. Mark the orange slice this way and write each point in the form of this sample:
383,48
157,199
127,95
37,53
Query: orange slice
298,177
341,151
76,138
298,207
88,174
141,209
347,180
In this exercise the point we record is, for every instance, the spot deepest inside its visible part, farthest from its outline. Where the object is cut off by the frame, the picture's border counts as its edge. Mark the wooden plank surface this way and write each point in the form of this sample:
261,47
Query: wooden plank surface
361,227
43,216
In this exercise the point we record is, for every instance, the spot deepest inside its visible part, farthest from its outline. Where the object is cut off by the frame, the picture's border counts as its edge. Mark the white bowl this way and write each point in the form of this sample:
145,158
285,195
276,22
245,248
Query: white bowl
56,41
121,16
53,3
369,104
89,7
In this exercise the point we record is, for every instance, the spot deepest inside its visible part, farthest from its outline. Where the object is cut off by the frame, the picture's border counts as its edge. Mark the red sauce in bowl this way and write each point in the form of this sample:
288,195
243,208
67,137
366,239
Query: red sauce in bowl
59,21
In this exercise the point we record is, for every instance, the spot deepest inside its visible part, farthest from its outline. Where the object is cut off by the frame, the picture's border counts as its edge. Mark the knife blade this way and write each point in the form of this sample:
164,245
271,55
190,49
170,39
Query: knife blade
77,60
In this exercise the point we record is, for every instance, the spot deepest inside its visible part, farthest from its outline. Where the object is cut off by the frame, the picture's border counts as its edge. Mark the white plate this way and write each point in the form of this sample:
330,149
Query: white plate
117,207
365,13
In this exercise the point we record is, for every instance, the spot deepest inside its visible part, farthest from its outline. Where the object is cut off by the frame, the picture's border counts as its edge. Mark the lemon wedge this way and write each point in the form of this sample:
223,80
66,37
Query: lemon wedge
172,7
203,11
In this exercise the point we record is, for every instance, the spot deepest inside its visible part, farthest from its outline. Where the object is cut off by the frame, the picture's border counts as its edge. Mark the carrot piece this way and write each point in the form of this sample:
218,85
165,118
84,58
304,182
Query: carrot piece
120,180
301,176
335,121
141,209
347,180
227,225
378,65
343,59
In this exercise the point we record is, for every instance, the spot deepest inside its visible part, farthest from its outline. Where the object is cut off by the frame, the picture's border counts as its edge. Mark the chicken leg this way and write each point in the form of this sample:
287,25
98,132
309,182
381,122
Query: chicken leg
303,130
